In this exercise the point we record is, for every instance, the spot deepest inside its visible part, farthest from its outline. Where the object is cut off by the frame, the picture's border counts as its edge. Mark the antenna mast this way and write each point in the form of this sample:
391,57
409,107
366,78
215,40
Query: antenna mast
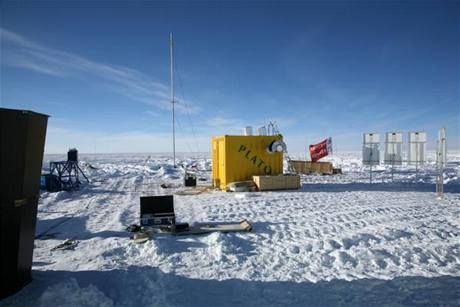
172,95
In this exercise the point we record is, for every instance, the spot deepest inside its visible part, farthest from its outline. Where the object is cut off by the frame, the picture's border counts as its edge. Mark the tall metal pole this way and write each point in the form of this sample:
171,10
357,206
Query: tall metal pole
416,159
439,179
172,95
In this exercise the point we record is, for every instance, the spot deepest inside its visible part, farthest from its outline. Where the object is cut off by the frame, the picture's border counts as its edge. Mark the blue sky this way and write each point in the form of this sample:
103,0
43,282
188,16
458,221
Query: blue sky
319,69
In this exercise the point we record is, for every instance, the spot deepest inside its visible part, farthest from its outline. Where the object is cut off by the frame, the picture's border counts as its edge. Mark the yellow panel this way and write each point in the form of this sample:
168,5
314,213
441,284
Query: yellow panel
216,175
223,170
238,158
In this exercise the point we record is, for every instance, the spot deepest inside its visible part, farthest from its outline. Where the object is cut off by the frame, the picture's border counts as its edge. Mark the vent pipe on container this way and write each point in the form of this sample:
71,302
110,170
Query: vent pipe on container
262,130
248,130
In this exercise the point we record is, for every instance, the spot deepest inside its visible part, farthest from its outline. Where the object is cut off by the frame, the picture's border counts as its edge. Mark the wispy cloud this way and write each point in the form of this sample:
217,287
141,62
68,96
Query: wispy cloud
152,113
59,139
226,123
222,123
24,53
283,122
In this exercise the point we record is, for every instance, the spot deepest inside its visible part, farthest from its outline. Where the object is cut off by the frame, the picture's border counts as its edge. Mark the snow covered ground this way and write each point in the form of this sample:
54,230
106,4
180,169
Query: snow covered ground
337,241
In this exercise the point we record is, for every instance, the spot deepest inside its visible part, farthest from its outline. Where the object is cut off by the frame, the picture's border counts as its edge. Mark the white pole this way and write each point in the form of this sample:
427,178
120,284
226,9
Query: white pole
441,155
172,95
393,162
370,166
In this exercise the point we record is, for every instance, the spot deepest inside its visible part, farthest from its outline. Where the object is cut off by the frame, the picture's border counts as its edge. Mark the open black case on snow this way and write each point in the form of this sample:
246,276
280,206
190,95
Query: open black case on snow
157,210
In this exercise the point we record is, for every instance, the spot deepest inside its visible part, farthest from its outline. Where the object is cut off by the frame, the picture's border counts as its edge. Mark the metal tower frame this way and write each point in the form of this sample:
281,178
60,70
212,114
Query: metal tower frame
67,174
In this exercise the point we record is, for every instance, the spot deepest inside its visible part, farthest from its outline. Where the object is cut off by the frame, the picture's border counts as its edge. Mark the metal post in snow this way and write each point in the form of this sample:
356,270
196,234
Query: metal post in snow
440,179
440,162
370,168
393,166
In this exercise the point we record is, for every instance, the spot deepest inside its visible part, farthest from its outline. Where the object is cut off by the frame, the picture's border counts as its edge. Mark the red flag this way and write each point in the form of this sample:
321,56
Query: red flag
320,150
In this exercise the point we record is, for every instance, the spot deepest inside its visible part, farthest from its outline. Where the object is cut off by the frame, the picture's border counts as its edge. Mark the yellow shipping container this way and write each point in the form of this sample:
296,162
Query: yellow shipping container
239,157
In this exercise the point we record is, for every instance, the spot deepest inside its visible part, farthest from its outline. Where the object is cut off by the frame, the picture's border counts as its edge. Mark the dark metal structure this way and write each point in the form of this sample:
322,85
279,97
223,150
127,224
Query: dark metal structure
66,174
22,141
72,155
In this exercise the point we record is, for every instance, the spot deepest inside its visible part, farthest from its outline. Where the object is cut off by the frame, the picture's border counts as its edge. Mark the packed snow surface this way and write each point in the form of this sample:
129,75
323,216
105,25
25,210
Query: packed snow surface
339,240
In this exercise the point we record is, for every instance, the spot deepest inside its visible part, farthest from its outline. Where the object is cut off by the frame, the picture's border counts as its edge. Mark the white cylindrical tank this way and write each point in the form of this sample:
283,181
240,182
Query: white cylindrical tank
248,130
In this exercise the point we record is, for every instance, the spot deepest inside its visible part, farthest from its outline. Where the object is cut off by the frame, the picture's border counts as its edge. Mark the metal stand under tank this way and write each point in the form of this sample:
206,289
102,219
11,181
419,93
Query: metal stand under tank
65,175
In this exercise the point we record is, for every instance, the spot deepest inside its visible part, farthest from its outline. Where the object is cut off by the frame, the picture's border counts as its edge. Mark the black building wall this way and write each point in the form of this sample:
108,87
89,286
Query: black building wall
22,141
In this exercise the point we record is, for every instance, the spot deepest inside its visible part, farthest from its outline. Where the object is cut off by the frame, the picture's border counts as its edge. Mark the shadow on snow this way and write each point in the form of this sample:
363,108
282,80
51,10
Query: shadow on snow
144,285
383,187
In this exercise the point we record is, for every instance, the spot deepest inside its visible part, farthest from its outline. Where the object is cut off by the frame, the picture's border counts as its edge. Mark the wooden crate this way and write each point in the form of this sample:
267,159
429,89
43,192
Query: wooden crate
308,167
299,167
281,182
